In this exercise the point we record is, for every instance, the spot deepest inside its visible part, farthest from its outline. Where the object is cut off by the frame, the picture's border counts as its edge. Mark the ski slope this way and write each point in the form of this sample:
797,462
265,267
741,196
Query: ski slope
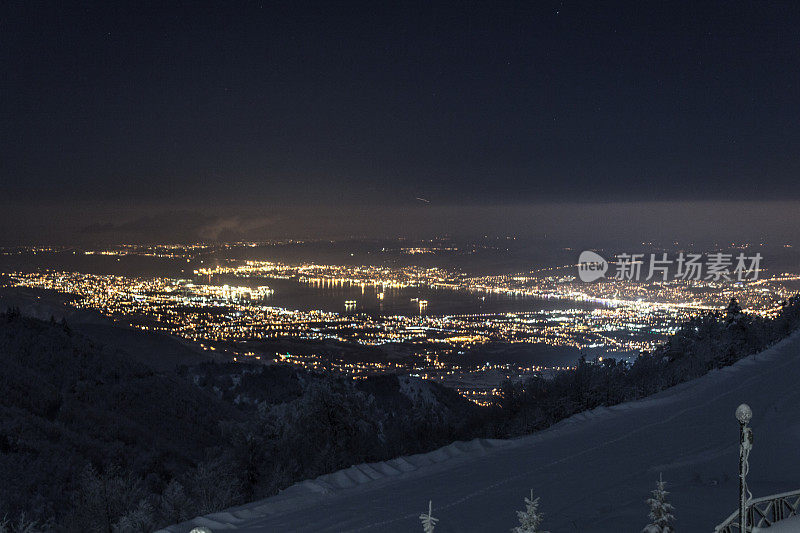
592,471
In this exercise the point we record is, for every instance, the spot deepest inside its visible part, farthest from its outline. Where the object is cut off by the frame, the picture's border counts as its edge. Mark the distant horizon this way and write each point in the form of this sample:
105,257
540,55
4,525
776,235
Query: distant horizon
574,223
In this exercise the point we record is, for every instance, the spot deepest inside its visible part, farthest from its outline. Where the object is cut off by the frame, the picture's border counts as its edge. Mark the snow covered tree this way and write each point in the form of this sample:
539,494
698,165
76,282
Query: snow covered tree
428,521
103,498
660,510
531,518
175,506
20,525
140,519
213,485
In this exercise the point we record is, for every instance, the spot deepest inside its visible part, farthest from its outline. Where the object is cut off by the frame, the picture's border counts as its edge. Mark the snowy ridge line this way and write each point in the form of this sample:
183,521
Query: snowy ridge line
307,493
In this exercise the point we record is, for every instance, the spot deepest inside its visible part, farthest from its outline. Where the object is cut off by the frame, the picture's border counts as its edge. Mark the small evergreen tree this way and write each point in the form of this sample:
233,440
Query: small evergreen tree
660,510
428,521
175,506
531,518
732,311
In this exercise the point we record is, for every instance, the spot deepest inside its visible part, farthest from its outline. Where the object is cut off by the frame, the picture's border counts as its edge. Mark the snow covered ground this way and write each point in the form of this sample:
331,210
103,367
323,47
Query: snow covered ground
592,471
789,525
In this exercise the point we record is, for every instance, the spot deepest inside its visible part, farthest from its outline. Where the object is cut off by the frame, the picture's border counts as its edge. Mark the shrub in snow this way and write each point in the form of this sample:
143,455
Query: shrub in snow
20,525
531,518
660,510
213,485
103,498
140,519
428,521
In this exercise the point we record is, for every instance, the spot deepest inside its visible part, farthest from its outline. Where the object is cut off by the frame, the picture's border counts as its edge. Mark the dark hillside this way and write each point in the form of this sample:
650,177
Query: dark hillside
91,439
66,402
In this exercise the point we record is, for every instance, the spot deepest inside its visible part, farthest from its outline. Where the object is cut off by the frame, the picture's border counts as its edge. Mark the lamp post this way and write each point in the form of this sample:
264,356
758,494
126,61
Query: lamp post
743,415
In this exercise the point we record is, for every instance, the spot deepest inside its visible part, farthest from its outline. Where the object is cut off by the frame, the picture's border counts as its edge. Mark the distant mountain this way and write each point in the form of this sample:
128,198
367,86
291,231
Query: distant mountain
43,304
159,351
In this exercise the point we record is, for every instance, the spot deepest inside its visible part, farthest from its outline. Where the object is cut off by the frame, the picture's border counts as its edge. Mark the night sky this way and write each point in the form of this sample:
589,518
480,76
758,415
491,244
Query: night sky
154,108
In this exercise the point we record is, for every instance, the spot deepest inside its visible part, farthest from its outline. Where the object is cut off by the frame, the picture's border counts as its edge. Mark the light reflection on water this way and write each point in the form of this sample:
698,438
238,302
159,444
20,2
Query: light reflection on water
396,301
293,294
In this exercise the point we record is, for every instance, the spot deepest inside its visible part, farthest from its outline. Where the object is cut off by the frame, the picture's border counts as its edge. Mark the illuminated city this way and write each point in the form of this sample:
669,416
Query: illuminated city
226,309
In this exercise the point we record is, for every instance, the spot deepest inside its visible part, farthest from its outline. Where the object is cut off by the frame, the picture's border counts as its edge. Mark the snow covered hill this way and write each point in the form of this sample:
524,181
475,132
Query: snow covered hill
592,471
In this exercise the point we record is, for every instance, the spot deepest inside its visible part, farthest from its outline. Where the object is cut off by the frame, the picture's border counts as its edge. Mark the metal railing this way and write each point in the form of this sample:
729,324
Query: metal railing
763,512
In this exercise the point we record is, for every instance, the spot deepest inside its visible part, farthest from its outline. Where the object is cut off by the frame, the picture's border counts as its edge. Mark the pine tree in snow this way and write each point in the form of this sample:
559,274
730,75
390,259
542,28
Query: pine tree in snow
428,521
660,510
531,518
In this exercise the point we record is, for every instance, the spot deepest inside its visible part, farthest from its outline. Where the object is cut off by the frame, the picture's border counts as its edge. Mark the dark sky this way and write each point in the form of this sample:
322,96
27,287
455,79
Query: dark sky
461,103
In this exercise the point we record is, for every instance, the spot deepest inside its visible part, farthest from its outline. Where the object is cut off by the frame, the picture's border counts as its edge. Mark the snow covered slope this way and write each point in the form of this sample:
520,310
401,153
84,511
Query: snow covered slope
593,471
